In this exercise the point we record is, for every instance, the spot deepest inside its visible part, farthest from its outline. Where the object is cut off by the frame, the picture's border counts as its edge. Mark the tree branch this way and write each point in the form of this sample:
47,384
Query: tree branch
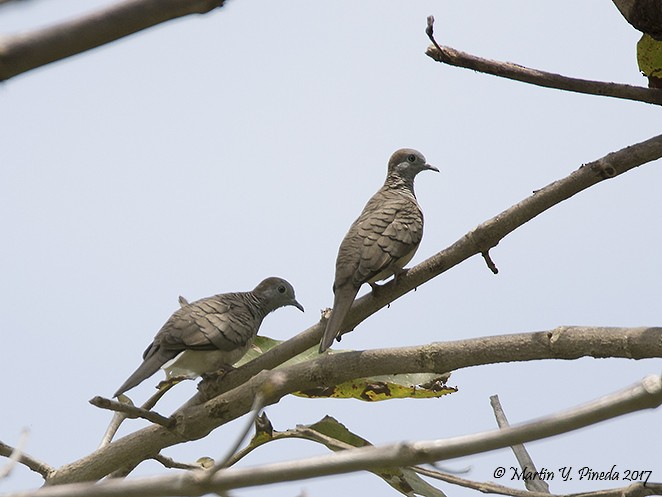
644,395
23,52
14,455
132,411
197,421
521,454
28,461
508,70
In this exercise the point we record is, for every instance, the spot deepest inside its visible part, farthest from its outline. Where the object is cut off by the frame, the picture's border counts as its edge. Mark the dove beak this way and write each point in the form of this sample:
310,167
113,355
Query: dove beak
297,305
431,167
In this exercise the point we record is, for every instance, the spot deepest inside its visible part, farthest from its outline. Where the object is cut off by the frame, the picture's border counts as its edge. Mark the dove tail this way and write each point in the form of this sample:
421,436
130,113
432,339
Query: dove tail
149,366
342,302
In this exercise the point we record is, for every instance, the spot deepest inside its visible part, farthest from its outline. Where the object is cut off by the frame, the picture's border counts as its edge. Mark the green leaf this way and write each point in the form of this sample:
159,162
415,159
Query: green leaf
262,344
404,480
649,57
335,436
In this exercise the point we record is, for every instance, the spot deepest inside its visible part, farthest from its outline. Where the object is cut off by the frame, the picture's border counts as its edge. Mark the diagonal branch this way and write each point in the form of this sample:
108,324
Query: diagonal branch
508,70
644,395
197,421
23,52
521,454
28,461
15,455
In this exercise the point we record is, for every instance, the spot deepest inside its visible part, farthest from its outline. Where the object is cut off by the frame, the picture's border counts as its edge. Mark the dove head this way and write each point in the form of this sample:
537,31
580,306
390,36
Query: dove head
406,163
276,292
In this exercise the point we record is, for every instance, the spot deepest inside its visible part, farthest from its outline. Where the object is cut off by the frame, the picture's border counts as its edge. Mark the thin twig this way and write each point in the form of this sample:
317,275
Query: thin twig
15,455
523,458
450,56
26,460
274,382
170,463
119,417
258,404
484,487
489,261
133,411
114,425
301,432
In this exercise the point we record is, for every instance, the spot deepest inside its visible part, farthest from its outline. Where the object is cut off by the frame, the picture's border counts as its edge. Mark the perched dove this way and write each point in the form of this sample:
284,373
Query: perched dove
382,240
211,333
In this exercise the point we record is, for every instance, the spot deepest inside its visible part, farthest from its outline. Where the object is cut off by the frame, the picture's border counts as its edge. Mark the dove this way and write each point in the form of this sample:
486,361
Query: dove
381,241
211,333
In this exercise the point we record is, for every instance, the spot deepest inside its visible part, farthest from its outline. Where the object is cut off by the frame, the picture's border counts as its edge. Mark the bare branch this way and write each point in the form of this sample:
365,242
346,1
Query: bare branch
644,395
484,487
23,52
265,391
114,425
119,417
15,454
132,411
522,455
452,57
196,421
21,457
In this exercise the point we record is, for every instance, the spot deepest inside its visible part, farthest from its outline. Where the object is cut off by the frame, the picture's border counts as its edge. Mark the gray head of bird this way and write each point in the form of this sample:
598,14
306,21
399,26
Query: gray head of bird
276,292
406,163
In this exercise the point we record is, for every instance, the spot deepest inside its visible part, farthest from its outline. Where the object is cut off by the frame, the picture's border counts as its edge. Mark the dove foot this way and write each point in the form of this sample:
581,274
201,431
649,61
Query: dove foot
375,288
171,382
219,373
397,275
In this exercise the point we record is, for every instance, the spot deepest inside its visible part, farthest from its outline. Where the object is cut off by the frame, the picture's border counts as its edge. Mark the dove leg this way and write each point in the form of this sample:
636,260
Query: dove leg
219,373
399,273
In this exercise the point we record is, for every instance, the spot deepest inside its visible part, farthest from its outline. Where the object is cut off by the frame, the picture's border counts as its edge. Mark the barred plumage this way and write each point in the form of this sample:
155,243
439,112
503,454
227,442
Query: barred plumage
211,333
382,240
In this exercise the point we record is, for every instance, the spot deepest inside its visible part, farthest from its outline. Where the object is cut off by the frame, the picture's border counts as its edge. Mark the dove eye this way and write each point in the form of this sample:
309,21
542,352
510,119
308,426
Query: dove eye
281,289
411,157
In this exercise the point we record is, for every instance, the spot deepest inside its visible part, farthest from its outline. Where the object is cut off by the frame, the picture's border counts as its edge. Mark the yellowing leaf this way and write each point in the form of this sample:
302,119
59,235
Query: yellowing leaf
375,388
372,389
649,57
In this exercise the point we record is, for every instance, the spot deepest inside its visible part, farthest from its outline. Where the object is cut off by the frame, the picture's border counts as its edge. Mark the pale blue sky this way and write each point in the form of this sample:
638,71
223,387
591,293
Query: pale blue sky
208,153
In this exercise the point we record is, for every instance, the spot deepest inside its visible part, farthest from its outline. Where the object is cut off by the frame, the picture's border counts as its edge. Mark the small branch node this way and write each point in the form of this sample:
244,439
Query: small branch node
489,261
603,169
430,32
